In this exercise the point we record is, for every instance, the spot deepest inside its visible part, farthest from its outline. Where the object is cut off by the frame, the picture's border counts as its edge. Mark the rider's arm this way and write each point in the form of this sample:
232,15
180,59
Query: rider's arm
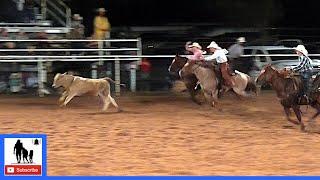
221,57
187,46
303,62
211,57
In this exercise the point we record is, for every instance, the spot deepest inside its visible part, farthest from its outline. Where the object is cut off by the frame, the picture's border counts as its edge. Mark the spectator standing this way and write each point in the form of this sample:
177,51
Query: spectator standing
77,32
145,70
77,26
235,52
102,26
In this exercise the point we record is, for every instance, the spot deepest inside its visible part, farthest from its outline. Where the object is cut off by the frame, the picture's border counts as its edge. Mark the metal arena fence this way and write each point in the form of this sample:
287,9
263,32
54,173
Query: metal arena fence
102,53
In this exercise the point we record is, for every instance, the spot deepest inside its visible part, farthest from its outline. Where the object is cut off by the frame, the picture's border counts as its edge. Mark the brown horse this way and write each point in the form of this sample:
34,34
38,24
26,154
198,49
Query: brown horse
189,79
288,91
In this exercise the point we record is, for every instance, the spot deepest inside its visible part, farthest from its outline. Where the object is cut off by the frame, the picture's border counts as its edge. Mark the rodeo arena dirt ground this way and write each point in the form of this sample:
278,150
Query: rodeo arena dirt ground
166,134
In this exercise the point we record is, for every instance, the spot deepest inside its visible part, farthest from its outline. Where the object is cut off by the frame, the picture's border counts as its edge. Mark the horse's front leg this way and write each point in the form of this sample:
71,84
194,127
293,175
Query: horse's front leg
193,92
297,111
287,112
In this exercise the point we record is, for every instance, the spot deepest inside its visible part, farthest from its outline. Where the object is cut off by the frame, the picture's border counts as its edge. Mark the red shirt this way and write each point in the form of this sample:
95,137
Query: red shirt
145,66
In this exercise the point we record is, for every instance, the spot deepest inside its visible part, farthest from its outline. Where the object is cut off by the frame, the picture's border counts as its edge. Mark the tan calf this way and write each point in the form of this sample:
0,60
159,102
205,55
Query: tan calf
78,86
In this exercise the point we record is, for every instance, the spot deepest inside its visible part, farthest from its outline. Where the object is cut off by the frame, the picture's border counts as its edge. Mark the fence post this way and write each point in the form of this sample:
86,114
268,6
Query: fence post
44,9
139,46
40,78
133,67
94,73
133,76
100,63
117,76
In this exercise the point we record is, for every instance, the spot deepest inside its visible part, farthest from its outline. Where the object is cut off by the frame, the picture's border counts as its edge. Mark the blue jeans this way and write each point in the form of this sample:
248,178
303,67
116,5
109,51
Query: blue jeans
305,77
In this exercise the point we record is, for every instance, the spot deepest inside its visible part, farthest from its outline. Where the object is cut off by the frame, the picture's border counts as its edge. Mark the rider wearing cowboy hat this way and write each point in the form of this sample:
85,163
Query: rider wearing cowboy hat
194,48
304,67
235,53
219,55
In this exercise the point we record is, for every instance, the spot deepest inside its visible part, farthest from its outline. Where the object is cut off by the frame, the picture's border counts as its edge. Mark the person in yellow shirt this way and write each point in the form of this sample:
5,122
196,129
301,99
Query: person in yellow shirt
102,26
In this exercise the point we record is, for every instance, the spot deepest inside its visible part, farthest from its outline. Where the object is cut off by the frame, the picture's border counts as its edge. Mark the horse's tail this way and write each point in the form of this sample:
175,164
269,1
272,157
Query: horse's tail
252,87
112,81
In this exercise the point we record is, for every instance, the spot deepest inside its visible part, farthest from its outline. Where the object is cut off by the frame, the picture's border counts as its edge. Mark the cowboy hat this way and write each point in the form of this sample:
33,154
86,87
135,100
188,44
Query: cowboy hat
195,44
101,10
241,40
77,17
214,45
301,49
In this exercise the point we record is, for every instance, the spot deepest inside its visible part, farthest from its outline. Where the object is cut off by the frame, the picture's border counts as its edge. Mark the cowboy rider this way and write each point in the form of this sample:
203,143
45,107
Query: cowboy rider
219,55
304,68
194,48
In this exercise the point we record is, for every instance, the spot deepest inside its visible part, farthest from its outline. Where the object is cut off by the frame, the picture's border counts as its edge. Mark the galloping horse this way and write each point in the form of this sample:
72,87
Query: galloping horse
288,90
190,80
243,82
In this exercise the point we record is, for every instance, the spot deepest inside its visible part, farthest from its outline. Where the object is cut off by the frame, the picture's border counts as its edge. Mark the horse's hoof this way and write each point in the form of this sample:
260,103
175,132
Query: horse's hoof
303,128
120,110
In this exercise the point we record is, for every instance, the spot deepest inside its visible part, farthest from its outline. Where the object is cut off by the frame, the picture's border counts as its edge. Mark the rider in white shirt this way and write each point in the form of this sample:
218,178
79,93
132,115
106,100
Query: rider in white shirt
219,55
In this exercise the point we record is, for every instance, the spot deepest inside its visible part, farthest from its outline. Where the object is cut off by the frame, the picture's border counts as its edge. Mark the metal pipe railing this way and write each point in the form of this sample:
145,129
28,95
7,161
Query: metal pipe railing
132,56
43,60
59,50
68,40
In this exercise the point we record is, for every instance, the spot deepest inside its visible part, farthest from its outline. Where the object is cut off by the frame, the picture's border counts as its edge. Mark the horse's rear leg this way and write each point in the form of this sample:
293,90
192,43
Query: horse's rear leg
242,92
297,111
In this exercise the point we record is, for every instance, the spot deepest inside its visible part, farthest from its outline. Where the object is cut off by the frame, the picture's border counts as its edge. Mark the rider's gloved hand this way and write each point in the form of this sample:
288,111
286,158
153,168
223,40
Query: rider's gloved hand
188,43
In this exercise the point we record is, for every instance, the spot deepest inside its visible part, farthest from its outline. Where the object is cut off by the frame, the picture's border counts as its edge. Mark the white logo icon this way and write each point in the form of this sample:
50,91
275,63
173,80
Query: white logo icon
10,169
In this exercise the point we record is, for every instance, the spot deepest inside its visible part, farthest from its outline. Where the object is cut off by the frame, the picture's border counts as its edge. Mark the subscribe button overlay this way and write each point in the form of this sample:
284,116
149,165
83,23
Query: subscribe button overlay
23,156
22,170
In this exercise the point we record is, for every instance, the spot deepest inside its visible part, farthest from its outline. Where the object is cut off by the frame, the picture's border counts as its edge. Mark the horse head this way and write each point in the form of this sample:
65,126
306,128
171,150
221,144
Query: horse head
177,64
266,74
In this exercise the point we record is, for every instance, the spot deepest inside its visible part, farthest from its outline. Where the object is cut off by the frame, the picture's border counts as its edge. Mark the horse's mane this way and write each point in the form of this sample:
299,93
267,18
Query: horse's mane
291,84
181,57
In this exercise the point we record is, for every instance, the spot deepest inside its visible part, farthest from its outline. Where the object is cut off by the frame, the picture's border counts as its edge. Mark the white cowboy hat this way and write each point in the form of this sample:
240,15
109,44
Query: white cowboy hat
241,40
101,10
214,45
77,17
301,49
195,44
